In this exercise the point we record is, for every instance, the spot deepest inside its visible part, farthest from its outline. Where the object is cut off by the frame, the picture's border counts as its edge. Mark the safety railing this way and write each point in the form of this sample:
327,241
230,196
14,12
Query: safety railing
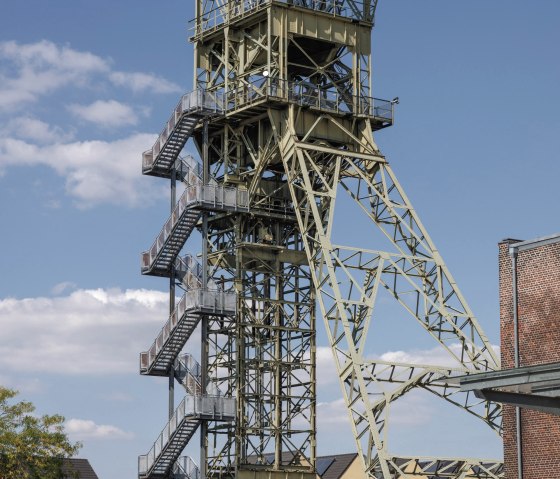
190,271
202,196
218,17
193,408
308,95
185,468
188,371
196,101
217,197
148,257
189,171
209,301
194,301
354,9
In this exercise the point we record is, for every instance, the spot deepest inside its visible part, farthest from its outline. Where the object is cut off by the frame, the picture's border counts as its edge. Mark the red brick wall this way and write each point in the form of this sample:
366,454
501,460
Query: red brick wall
538,272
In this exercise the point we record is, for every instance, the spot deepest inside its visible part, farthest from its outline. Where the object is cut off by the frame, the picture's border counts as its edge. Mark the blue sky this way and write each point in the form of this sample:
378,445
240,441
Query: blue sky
85,87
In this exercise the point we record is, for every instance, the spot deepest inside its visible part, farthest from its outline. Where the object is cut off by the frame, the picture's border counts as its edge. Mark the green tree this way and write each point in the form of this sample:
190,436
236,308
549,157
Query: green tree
31,447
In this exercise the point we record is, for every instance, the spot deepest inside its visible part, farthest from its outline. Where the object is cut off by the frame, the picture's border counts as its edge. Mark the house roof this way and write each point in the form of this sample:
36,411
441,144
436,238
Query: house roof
334,466
328,467
81,467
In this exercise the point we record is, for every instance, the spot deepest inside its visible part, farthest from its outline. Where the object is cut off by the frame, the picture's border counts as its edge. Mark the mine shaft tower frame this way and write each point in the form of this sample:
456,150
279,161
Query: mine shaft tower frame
282,118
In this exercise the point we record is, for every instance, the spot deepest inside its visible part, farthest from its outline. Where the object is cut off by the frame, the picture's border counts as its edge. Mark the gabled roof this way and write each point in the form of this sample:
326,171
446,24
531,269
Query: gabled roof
81,467
334,465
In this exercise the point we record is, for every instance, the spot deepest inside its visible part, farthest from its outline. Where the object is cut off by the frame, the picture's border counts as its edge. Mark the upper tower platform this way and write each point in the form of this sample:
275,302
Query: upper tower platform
257,55
216,16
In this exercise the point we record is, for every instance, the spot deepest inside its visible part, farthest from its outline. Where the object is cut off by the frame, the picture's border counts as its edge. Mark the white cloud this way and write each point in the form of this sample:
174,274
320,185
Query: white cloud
326,370
436,356
109,113
88,332
41,68
80,429
413,409
28,71
138,82
29,128
332,412
94,171
62,287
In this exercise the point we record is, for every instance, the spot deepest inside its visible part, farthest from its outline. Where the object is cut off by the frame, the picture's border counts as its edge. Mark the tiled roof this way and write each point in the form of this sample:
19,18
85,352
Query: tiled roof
338,466
80,468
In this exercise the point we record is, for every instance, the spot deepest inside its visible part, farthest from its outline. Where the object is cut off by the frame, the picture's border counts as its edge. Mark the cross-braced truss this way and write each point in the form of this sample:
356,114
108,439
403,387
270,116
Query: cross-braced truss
348,281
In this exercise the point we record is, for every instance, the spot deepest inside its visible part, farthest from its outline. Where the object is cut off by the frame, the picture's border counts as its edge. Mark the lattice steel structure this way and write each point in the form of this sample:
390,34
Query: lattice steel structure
282,118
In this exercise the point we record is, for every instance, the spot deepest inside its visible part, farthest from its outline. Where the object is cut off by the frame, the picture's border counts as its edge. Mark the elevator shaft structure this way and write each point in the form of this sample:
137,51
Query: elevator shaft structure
282,118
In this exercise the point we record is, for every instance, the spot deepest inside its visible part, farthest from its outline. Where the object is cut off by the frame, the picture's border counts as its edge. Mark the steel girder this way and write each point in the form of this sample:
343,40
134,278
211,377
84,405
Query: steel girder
348,280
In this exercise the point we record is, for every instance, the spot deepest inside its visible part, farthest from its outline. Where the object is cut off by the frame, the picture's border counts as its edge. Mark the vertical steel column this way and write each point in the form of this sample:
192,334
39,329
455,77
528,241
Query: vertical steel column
204,320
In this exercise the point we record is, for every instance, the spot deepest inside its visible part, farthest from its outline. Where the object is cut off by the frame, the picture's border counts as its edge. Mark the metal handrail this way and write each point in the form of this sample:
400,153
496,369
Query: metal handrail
185,468
216,196
218,17
189,372
194,101
307,94
192,300
191,407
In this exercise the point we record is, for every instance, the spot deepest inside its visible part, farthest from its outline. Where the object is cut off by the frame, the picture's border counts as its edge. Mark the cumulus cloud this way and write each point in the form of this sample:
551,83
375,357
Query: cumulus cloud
29,128
413,409
436,356
80,429
109,113
28,71
87,332
40,68
94,171
139,82
326,370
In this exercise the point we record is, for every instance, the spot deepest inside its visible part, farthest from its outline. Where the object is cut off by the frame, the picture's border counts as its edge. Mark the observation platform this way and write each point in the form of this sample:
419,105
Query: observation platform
181,324
180,429
263,92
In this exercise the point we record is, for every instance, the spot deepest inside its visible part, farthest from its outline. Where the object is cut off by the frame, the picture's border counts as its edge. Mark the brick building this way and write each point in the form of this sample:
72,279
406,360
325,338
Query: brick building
528,385
538,318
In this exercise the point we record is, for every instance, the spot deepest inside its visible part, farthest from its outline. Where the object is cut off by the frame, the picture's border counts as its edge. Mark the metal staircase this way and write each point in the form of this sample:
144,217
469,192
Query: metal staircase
157,261
179,430
203,196
185,317
191,109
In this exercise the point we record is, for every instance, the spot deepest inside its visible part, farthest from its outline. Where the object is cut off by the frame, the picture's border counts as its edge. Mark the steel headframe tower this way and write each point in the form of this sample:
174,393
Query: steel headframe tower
282,118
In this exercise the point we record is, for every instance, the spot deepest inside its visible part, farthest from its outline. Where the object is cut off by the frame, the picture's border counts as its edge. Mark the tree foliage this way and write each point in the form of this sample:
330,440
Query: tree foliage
31,447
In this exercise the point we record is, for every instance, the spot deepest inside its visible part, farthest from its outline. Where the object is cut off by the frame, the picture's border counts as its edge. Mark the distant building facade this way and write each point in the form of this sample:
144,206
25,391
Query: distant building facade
537,268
